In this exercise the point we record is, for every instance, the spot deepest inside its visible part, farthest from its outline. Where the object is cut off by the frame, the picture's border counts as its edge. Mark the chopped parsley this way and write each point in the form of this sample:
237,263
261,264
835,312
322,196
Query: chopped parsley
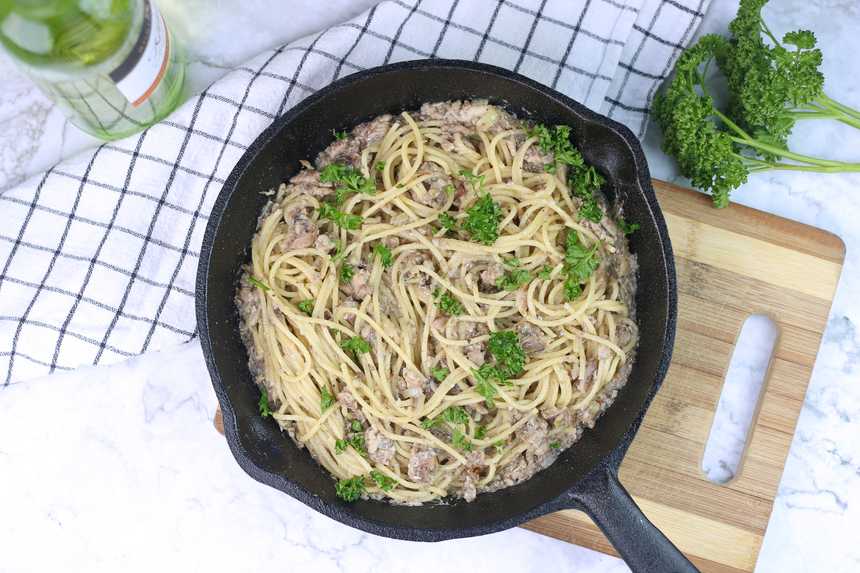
384,254
258,283
350,489
510,357
341,219
347,180
339,251
500,445
514,278
355,344
355,441
455,415
485,388
263,404
356,426
448,222
545,272
326,400
449,189
477,181
480,432
429,423
583,180
440,373
627,228
555,445
345,273
460,441
447,304
380,166
549,167
384,482
339,134
579,263
306,306
340,446
482,220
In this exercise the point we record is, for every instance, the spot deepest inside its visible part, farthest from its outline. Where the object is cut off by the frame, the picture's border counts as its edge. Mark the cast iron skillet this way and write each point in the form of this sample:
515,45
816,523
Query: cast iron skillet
584,476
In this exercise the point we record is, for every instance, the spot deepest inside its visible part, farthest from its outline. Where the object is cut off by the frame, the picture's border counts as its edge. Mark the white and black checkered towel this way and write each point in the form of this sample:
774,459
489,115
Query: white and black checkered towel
99,254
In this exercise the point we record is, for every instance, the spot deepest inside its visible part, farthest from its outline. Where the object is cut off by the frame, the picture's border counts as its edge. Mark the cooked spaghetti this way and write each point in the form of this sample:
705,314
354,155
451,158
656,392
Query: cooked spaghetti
441,304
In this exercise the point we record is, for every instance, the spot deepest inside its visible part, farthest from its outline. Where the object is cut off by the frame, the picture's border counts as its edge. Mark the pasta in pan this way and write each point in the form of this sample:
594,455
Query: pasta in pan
441,304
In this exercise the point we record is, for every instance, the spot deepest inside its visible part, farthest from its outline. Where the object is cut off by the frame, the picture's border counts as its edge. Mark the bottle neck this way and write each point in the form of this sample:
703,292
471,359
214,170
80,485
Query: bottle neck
67,33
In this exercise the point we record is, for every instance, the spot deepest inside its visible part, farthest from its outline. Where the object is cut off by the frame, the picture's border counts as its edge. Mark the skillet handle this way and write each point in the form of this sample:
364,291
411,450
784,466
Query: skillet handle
641,545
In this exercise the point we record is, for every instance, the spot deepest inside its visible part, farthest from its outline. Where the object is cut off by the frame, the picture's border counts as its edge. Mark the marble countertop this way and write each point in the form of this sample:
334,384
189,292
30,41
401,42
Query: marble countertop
119,467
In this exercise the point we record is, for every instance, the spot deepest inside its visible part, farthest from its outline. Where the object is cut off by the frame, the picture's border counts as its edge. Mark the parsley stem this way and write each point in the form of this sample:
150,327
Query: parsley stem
831,103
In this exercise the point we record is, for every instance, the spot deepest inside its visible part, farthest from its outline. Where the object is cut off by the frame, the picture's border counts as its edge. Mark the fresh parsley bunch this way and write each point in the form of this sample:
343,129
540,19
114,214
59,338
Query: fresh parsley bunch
772,84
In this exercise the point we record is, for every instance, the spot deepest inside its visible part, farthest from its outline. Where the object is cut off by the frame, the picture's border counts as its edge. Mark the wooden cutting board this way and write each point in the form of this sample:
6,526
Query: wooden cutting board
731,263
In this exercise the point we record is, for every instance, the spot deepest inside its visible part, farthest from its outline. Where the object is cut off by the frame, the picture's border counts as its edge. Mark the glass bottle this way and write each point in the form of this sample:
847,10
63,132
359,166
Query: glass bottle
112,65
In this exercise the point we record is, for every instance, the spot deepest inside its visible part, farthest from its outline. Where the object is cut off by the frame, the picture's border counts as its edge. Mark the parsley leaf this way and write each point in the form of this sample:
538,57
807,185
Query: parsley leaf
448,222
485,388
258,283
380,166
477,181
555,445
447,304
340,446
348,180
350,489
510,357
482,220
263,404
545,272
449,189
384,254
339,251
345,273
306,306
460,441
384,482
513,280
627,228
440,373
326,400
429,423
344,220
579,263
339,134
480,432
356,426
356,345
455,415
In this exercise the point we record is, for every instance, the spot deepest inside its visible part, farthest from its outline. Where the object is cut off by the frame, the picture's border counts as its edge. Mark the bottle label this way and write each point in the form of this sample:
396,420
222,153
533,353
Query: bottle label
141,71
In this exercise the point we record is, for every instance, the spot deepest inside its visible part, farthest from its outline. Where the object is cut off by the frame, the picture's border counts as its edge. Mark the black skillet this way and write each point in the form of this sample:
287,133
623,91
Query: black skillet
586,475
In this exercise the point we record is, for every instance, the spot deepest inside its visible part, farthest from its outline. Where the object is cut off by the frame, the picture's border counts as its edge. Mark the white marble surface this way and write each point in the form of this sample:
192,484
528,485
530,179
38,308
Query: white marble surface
119,468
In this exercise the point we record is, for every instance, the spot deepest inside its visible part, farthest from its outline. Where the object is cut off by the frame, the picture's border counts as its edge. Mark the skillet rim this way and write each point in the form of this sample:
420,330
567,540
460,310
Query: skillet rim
340,512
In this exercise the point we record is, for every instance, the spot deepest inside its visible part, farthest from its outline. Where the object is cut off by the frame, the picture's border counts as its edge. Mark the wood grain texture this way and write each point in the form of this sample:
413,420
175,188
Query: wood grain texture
731,263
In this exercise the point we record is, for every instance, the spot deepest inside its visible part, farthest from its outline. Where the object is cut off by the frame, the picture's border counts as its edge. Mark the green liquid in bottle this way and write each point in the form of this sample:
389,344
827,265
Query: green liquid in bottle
112,65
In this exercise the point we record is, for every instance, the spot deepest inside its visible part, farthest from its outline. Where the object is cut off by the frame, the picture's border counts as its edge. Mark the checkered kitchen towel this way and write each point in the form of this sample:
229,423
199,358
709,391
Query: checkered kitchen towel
99,254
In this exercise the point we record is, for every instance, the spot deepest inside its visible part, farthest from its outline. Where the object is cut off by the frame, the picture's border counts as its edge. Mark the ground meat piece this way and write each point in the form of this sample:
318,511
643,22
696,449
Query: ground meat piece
352,408
469,489
475,461
625,333
359,287
417,384
468,112
476,352
433,194
307,181
530,337
515,471
379,448
536,160
492,274
372,131
583,384
324,243
387,301
346,151
535,433
301,231
558,417
422,464
368,333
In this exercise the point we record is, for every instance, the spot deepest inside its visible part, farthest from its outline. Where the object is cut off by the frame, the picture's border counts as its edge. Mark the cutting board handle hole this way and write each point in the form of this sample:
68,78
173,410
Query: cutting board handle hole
739,399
